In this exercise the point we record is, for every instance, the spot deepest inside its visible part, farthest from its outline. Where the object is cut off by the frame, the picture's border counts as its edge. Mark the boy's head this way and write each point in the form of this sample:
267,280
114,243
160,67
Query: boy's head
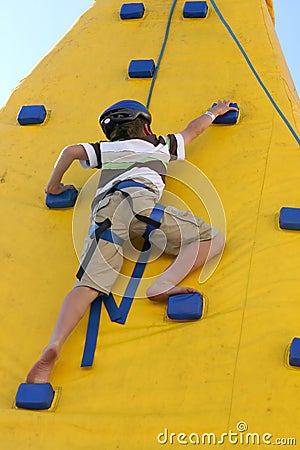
126,119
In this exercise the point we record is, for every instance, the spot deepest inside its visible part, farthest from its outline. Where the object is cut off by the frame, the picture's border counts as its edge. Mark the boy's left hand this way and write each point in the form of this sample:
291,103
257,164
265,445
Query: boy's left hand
56,190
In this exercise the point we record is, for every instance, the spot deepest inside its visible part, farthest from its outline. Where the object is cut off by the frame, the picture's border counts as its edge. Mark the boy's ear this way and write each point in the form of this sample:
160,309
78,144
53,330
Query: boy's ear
147,129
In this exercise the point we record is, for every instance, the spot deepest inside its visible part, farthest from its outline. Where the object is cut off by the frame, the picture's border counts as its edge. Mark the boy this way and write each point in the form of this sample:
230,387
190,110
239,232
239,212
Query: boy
132,153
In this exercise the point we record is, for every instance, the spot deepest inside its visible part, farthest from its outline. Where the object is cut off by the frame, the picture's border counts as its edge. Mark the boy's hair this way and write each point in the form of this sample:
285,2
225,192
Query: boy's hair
128,130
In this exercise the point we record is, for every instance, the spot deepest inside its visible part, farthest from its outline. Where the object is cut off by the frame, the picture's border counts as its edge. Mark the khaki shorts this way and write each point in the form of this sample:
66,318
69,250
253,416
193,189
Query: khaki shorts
179,229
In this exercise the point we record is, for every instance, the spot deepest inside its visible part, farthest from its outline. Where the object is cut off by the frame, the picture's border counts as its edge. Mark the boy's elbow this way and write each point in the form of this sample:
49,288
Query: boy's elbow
75,151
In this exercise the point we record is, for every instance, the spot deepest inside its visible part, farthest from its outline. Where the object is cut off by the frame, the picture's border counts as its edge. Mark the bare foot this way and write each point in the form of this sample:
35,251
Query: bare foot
42,369
173,291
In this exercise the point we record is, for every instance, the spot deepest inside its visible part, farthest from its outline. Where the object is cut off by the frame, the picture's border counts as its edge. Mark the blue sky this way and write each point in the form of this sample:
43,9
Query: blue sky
29,29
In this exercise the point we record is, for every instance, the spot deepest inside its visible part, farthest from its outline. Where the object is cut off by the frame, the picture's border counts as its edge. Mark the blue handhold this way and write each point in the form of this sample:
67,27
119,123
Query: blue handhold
229,118
195,10
132,11
294,356
141,68
35,396
32,114
66,199
289,218
185,306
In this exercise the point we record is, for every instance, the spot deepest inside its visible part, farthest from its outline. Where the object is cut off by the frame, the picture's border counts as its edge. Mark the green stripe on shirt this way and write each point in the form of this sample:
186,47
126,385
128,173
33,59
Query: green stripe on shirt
127,165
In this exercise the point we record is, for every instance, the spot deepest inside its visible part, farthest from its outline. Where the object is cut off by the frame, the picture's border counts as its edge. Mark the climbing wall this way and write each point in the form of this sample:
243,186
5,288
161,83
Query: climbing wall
153,379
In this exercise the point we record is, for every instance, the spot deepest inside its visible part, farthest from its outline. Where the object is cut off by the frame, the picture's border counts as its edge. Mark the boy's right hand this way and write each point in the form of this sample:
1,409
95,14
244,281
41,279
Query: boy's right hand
57,189
201,123
222,107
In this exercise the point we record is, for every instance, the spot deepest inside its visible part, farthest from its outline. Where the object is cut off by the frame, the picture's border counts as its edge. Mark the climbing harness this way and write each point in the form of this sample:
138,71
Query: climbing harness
102,231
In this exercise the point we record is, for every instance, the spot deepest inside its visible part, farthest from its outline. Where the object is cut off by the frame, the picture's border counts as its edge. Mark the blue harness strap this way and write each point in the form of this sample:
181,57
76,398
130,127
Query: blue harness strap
92,333
111,307
140,265
93,325
95,232
119,314
129,183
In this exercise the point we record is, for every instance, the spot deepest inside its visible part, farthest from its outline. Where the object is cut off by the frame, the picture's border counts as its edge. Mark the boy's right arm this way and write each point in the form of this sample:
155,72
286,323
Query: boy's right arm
65,159
201,123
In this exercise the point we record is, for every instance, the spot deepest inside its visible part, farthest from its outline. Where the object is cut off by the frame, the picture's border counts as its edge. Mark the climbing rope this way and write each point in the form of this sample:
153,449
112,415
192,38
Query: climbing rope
161,53
255,73
229,29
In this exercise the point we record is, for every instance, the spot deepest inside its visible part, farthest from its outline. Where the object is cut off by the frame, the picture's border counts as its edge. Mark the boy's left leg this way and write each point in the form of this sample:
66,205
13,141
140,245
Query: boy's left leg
197,252
180,228
101,271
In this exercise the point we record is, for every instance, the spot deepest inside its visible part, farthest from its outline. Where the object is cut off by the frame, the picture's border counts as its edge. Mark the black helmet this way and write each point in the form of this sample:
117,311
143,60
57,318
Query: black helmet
122,112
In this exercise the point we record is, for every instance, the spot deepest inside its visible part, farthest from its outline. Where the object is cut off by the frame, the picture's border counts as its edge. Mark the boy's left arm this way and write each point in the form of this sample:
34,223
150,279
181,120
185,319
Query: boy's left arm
65,159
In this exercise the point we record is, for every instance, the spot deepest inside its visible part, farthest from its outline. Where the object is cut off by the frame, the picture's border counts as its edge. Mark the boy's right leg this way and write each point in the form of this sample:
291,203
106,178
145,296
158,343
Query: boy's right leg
72,311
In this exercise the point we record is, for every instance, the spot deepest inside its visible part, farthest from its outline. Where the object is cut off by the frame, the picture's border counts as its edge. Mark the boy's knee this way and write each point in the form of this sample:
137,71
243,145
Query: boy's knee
152,292
218,243
159,289
86,292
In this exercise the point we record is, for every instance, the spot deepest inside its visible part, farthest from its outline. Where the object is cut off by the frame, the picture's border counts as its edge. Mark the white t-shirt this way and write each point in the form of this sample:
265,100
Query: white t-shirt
134,159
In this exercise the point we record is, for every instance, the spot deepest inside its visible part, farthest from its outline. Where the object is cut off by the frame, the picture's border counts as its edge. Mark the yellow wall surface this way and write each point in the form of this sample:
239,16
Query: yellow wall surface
150,374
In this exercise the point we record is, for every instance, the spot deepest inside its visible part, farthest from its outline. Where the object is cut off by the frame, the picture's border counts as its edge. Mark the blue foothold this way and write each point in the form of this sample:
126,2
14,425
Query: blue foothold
289,218
185,306
195,10
32,114
141,68
229,118
66,199
294,356
132,11
35,396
